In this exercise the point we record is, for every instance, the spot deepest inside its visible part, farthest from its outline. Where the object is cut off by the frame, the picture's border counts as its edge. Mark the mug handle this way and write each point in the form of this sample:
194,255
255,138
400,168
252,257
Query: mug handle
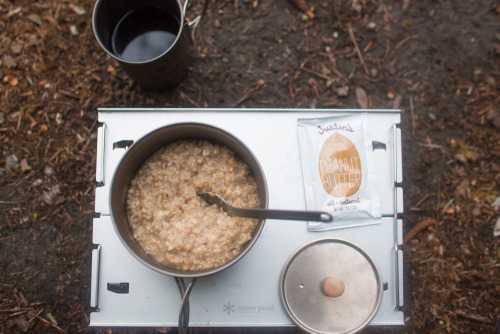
194,23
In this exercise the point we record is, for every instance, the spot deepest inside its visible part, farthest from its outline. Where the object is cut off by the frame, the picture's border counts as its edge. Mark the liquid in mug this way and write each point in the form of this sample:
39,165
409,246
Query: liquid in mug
144,34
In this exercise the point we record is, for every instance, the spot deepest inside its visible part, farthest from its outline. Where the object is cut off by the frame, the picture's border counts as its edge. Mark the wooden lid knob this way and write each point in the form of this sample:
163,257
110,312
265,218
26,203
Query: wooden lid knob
333,287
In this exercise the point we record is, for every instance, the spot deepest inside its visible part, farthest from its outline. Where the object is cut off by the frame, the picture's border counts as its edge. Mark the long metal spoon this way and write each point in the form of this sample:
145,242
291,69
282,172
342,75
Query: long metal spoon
317,216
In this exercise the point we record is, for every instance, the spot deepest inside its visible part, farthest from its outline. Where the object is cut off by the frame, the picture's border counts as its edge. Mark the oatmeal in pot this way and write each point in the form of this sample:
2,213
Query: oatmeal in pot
174,225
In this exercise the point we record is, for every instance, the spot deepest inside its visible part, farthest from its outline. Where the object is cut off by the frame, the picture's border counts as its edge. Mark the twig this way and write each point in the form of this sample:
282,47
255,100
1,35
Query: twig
260,85
448,204
434,146
322,76
417,229
358,51
423,200
412,116
7,202
400,44
50,323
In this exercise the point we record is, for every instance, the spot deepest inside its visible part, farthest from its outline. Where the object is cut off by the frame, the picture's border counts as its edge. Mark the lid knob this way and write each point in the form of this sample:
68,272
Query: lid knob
333,287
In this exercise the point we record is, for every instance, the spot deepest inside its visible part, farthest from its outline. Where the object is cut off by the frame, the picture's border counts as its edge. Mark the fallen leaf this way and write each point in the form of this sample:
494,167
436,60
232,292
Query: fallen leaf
43,128
492,113
9,61
16,48
361,98
35,19
24,165
463,188
14,11
22,324
73,30
12,80
11,161
461,157
396,103
52,319
302,6
50,195
342,91
449,210
77,9
496,122
496,230
496,203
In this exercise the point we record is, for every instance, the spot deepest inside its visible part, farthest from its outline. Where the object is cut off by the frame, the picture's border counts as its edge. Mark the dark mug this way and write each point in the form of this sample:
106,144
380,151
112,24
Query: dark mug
151,39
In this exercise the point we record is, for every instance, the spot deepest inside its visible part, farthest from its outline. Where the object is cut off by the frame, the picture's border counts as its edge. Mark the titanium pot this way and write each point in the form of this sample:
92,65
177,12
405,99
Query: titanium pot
140,151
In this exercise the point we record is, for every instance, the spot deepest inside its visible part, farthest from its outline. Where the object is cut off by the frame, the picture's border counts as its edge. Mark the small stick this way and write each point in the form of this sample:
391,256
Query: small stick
412,116
322,76
358,51
50,323
261,84
417,229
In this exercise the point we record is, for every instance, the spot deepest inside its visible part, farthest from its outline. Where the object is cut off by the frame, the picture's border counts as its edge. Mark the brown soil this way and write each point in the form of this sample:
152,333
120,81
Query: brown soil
436,60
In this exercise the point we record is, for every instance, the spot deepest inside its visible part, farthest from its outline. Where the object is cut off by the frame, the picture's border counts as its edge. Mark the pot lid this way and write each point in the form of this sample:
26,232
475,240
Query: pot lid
331,286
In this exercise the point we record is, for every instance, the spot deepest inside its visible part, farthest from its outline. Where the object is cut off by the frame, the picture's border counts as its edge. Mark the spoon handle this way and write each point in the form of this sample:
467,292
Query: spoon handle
316,216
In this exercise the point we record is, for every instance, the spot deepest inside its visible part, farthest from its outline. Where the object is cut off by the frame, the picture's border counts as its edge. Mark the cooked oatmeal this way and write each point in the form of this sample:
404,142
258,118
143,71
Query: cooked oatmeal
172,223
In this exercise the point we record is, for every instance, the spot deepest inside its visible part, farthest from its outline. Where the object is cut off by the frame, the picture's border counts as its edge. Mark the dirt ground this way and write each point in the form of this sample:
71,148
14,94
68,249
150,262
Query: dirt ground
438,61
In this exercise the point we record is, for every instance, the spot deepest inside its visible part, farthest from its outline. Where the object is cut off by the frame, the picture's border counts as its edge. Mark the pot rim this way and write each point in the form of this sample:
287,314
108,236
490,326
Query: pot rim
130,244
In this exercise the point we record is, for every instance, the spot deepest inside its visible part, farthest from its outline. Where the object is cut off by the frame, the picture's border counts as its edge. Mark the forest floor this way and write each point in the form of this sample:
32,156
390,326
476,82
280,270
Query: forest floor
437,61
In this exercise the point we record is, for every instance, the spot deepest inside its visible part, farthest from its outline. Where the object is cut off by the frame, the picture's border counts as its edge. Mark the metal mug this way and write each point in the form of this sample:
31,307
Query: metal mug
151,39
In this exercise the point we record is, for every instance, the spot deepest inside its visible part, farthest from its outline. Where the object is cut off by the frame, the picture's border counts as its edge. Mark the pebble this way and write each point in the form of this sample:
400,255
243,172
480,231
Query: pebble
48,171
9,62
11,161
342,91
50,195
371,26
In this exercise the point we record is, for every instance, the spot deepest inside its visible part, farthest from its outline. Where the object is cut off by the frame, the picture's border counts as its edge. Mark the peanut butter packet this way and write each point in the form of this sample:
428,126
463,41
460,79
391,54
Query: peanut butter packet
338,173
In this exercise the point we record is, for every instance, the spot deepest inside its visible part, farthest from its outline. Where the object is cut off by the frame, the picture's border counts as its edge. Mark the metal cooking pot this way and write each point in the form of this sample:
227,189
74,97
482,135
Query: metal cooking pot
140,151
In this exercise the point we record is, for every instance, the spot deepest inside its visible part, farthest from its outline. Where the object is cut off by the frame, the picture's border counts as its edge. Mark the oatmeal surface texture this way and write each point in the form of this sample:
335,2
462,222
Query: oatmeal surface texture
175,226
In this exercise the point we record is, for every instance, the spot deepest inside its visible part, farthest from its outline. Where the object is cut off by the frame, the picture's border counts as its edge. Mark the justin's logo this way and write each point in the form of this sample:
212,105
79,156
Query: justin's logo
340,166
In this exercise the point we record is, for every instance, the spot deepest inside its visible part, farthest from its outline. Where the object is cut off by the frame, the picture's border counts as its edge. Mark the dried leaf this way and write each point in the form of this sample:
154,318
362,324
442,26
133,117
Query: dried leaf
449,210
396,103
11,161
361,98
9,61
52,319
77,9
496,203
302,6
422,225
14,11
22,324
16,48
50,195
463,188
12,80
73,30
342,91
24,165
496,230
35,19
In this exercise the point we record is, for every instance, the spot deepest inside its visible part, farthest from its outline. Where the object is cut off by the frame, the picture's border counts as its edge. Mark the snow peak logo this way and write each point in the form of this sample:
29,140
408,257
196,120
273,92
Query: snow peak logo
230,308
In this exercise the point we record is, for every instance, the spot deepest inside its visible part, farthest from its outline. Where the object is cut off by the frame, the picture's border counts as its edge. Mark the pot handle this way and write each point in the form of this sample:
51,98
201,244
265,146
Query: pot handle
184,309
194,23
